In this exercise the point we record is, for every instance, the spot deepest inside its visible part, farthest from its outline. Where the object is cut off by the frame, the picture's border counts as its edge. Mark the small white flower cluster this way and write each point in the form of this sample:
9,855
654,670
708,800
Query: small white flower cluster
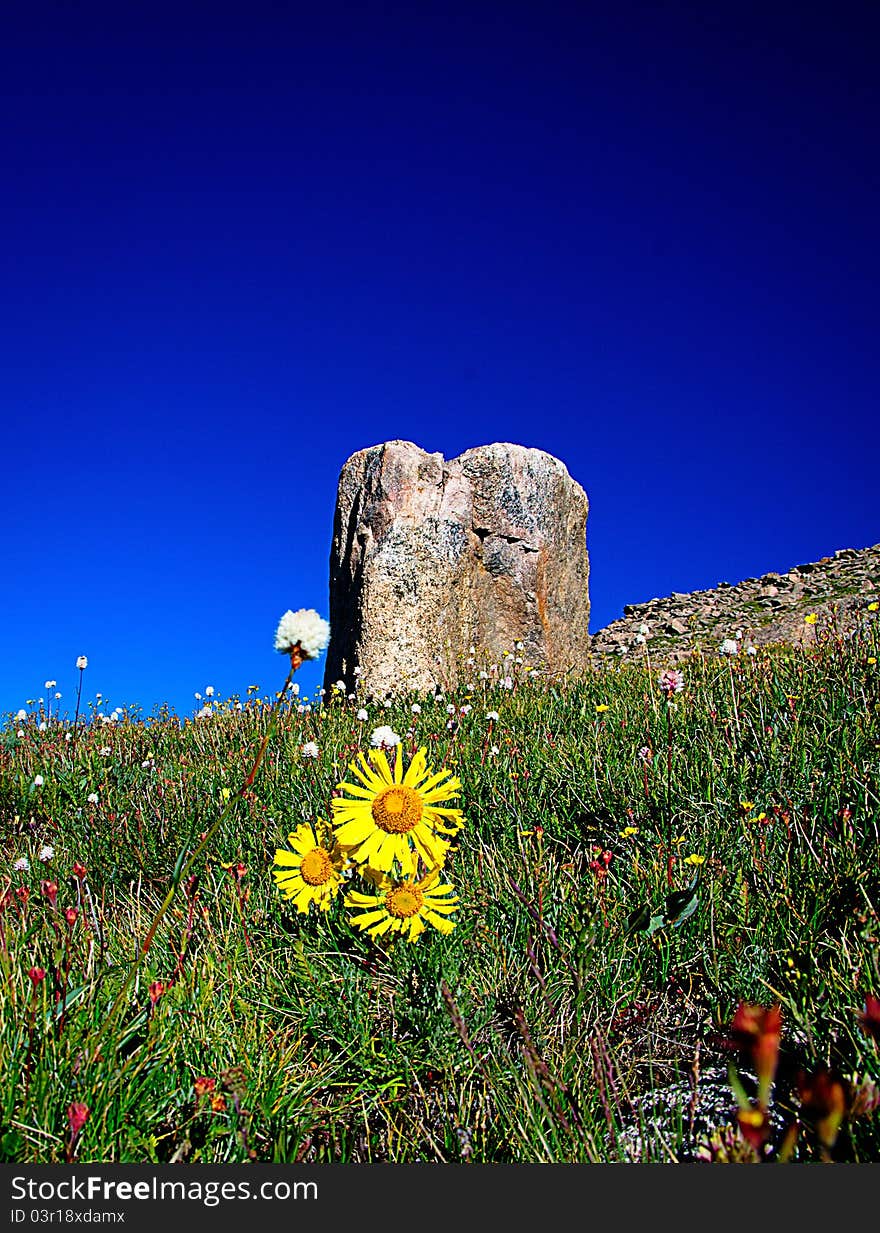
82,662
671,681
305,627
309,750
729,647
384,738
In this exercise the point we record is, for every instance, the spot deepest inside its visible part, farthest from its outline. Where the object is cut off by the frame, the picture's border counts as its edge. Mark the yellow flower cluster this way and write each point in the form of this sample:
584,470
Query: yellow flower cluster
391,826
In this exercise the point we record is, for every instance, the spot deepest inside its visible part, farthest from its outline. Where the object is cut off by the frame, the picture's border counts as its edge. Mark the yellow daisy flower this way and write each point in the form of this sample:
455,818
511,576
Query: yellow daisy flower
390,818
310,873
811,618
404,907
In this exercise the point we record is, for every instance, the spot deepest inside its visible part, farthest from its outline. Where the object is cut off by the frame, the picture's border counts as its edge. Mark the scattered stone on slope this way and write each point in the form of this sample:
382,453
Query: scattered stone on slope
757,611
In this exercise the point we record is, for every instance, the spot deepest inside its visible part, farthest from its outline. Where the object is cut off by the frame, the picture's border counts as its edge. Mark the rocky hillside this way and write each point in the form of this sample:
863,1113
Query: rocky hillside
756,611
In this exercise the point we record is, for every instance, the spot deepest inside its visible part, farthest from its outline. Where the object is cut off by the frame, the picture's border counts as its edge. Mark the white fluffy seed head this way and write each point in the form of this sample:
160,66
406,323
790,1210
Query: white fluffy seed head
305,627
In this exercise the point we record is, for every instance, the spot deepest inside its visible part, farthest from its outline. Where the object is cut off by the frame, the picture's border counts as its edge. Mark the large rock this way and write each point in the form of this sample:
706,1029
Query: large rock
432,557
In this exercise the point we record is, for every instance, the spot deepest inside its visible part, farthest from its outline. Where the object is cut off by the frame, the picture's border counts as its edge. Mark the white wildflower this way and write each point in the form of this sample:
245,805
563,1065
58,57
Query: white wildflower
22,714
92,798
38,781
209,691
309,750
671,681
728,647
416,709
362,715
22,865
46,852
384,738
492,716
82,662
304,629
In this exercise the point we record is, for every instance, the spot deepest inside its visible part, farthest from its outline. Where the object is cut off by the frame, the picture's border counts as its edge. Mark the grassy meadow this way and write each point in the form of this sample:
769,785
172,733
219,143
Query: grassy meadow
668,900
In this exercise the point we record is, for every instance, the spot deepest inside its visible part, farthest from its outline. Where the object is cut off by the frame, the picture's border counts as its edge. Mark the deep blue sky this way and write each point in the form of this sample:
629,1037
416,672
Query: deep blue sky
240,243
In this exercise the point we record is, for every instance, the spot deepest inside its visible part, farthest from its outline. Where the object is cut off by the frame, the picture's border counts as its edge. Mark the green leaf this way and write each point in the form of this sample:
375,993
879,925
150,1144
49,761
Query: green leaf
638,920
64,1005
687,911
680,904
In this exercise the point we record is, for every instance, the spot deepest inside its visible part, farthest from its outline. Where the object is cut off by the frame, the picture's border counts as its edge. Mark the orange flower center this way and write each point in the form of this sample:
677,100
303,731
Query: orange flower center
316,867
404,901
397,809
